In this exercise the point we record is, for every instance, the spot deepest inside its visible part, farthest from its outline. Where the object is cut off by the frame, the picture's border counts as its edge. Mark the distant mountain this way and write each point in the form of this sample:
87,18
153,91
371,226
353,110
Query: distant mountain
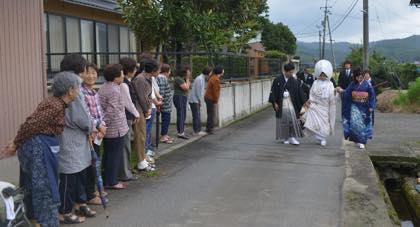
400,50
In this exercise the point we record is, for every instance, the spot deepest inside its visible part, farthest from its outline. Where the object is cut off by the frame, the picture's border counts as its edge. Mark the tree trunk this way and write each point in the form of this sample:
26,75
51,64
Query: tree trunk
178,51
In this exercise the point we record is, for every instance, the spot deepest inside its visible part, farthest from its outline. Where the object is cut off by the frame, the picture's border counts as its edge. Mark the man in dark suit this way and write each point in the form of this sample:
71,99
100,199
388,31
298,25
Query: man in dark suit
344,78
306,79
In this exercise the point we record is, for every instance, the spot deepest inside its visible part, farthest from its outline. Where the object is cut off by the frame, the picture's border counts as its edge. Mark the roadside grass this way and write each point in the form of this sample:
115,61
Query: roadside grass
411,97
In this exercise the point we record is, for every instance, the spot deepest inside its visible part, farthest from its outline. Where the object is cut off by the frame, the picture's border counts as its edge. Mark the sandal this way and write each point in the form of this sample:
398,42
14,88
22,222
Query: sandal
104,193
167,141
170,138
72,219
118,186
85,211
95,201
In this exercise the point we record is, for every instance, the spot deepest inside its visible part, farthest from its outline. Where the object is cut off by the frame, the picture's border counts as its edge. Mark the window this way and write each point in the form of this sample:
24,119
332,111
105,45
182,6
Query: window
133,46
124,42
73,34
113,43
56,39
87,38
99,42
101,45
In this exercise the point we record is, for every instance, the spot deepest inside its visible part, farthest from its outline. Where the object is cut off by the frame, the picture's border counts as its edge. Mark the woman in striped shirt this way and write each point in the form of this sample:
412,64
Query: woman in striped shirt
112,104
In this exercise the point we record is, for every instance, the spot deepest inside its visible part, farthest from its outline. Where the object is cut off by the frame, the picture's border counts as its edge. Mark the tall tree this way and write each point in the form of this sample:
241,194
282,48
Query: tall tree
185,24
278,37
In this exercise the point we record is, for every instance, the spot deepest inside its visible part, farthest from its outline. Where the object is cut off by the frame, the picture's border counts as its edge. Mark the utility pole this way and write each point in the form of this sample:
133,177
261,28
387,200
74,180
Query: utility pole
324,25
331,43
365,34
320,51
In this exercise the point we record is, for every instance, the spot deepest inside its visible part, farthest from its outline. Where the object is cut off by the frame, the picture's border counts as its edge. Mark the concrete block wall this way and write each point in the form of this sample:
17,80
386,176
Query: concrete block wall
226,107
242,97
257,95
237,100
248,97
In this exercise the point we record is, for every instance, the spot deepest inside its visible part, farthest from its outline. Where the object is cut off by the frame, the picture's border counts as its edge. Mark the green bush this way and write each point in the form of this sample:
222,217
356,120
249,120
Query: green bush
413,93
412,96
407,73
235,66
276,54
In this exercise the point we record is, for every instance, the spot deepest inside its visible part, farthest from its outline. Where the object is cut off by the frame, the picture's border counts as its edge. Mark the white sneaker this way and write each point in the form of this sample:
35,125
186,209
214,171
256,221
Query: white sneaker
361,146
285,141
294,141
142,165
201,133
323,143
150,153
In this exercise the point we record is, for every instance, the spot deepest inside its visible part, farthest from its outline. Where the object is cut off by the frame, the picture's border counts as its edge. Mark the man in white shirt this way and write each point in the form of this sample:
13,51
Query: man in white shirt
195,97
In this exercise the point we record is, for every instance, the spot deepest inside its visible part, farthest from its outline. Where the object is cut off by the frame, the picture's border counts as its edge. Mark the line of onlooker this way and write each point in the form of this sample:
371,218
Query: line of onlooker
59,145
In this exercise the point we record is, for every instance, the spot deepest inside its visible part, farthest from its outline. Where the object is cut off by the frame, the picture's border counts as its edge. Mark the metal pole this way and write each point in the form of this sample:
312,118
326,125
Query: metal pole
324,28
157,126
331,42
320,51
365,34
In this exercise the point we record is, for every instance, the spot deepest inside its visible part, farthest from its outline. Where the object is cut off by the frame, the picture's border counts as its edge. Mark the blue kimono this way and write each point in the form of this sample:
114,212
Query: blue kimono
357,119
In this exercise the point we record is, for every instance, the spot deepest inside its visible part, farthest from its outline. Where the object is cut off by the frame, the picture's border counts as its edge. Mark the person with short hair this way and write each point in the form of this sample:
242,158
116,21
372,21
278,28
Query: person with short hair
287,98
212,95
37,145
112,104
195,96
306,79
181,88
358,105
166,108
156,102
96,114
142,87
75,155
345,76
129,66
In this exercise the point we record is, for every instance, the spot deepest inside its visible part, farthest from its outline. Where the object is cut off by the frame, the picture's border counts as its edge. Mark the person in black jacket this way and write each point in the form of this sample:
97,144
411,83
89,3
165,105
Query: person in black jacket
344,78
306,77
287,98
306,80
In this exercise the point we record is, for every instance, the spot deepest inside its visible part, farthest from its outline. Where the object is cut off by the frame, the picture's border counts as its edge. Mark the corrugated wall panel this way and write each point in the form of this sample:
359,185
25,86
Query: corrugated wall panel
22,83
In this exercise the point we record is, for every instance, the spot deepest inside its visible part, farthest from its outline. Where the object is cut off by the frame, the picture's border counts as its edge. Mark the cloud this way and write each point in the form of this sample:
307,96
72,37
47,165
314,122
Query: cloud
388,19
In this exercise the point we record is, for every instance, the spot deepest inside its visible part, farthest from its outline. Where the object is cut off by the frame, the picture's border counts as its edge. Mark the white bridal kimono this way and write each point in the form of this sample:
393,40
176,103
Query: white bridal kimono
319,118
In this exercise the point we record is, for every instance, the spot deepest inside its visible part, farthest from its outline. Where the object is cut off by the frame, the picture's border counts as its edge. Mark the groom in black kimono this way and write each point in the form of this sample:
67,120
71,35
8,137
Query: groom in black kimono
287,98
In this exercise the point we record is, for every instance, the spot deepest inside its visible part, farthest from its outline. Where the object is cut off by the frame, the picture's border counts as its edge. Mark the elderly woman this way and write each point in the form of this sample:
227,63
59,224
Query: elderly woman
37,146
95,111
358,105
75,151
112,103
320,114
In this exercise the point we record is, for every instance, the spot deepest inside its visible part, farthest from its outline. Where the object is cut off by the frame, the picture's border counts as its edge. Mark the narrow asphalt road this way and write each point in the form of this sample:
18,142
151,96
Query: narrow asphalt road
241,176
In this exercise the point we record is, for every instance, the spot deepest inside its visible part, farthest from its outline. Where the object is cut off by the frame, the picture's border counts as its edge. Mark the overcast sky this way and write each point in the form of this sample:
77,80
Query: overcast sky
388,18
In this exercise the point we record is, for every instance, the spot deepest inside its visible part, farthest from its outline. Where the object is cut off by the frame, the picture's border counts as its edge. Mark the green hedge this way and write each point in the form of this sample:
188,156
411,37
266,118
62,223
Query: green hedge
412,96
235,66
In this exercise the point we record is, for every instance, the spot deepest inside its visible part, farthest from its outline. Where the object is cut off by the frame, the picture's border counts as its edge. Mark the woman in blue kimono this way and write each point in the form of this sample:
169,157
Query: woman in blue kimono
358,105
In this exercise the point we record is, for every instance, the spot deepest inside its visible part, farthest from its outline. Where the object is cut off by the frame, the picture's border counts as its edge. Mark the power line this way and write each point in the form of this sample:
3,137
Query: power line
306,33
345,12
379,21
309,25
345,16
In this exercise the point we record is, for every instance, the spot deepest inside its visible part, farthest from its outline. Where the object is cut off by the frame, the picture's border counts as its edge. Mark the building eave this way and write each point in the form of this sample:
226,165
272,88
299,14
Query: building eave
104,5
